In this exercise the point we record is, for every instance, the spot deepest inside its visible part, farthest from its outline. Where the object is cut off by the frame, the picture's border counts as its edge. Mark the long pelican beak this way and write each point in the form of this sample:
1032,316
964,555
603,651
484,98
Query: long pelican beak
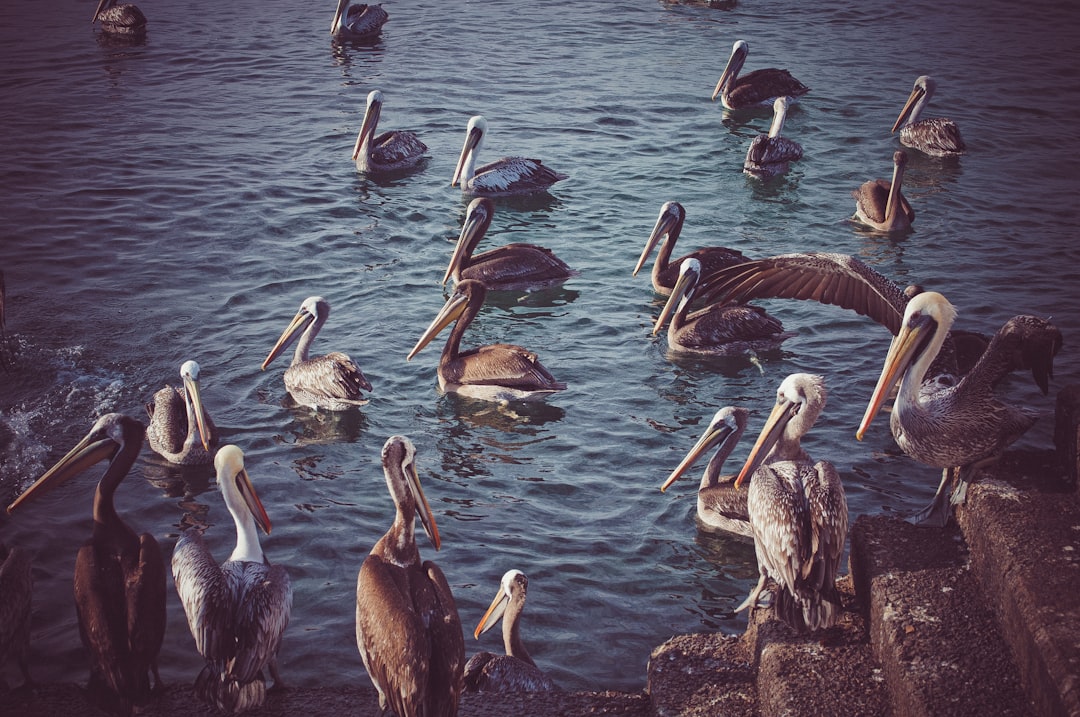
664,224
902,352
494,613
191,389
423,509
299,322
471,141
97,12
90,450
450,312
678,292
715,434
782,412
913,99
251,500
335,23
367,128
475,224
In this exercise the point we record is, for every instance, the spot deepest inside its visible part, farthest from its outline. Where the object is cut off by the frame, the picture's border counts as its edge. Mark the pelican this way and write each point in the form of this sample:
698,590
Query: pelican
119,18
16,586
390,151
513,266
358,22
719,505
757,89
503,177
936,136
331,382
119,576
498,372
882,205
665,272
717,329
237,611
180,429
798,512
407,626
515,671
960,427
770,154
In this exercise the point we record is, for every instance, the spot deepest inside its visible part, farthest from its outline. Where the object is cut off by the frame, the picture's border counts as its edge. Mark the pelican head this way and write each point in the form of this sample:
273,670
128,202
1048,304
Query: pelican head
474,139
781,105
314,309
189,374
477,219
724,430
236,486
668,226
399,465
917,100
451,311
371,121
739,51
683,291
514,582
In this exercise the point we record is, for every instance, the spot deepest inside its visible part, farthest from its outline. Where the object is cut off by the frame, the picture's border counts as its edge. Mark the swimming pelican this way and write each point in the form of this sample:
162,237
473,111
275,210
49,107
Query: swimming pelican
497,372
119,576
881,204
331,382
390,151
515,671
798,512
407,626
237,611
119,18
771,154
513,266
16,587
665,272
716,329
759,88
180,429
503,177
936,136
358,22
719,505
960,427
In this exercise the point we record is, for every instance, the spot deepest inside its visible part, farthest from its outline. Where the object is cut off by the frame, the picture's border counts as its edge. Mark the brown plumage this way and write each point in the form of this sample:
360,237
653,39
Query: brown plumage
936,136
358,22
881,204
180,429
756,89
388,152
119,18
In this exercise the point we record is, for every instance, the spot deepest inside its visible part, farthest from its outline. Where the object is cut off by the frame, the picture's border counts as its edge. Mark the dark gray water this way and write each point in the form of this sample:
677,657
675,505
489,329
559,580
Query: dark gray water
179,199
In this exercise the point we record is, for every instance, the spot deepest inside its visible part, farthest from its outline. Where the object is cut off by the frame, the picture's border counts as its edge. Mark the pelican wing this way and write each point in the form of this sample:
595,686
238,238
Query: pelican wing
516,264
761,87
513,175
168,421
334,376
937,136
146,603
364,20
204,593
263,603
504,365
765,150
1024,342
397,148
779,520
828,525
447,665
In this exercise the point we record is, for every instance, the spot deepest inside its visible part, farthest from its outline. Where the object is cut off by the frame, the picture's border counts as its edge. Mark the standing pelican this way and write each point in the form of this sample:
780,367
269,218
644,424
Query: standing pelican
936,136
388,152
358,22
665,272
513,266
771,154
961,426
497,372
798,512
757,89
237,612
333,381
407,626
717,329
503,177
16,588
719,505
881,204
119,18
515,671
119,576
180,429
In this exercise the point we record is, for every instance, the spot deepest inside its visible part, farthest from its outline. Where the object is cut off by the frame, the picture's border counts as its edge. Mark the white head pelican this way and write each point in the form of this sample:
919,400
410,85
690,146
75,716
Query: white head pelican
358,22
180,429
798,512
119,18
936,136
390,151
407,626
760,88
237,611
503,177
498,372
332,382
515,671
16,588
770,155
881,205
119,576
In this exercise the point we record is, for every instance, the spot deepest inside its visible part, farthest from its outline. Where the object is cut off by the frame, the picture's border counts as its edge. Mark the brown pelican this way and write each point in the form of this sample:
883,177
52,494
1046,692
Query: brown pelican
180,429
497,372
390,151
503,177
798,512
717,329
665,272
881,204
936,136
119,576
515,671
239,610
513,266
757,89
959,426
333,381
719,505
119,18
16,586
770,154
407,626
358,22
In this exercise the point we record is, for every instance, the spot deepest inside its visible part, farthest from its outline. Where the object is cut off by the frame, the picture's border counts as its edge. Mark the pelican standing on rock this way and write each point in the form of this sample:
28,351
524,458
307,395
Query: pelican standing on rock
496,372
16,590
503,177
760,88
237,611
515,671
119,18
119,576
771,155
513,266
390,151
180,429
797,509
407,626
332,382
936,136
881,205
358,22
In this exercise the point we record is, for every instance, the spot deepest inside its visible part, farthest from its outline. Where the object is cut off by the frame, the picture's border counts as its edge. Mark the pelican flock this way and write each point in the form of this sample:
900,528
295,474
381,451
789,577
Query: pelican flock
180,429
759,88
389,151
881,204
936,136
507,176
